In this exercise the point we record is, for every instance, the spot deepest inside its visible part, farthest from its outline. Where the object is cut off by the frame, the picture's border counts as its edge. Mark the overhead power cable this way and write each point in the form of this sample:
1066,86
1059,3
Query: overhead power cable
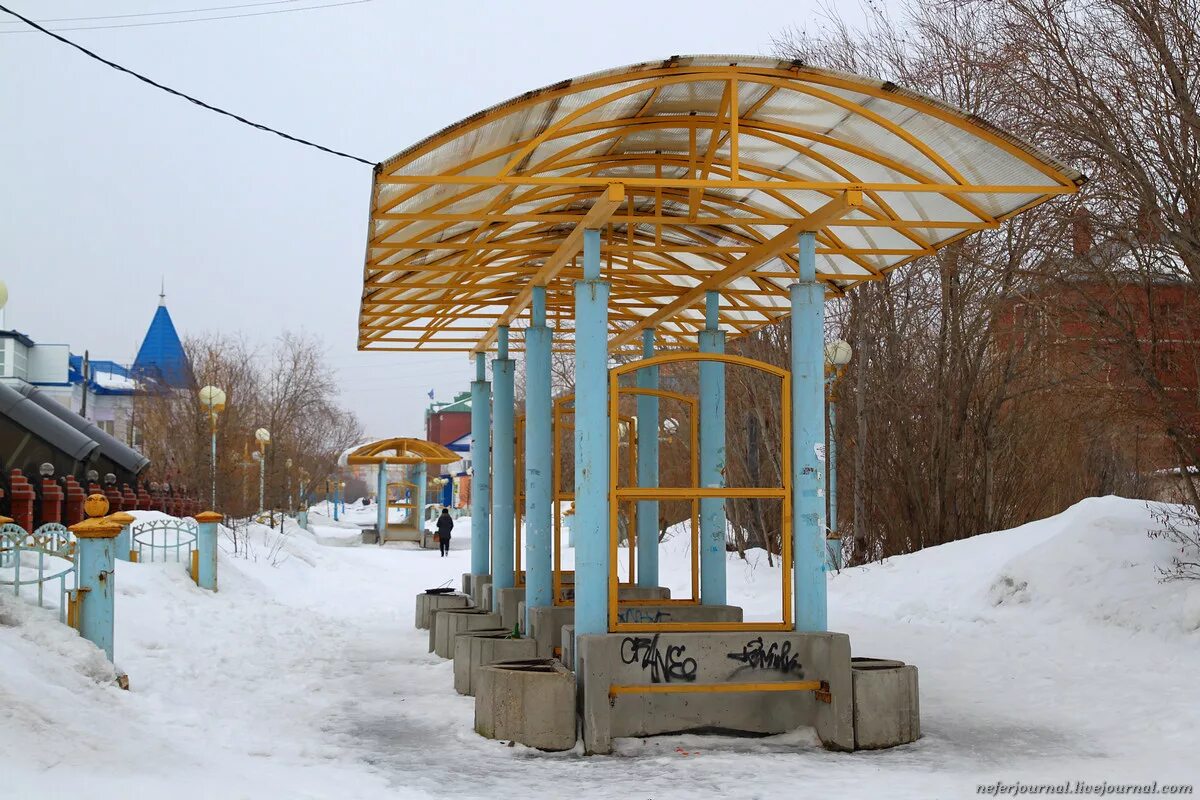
167,13
187,97
197,19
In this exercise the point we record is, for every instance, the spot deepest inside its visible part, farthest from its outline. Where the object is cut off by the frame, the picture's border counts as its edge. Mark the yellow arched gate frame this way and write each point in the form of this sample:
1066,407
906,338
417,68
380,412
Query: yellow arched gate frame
401,503
619,494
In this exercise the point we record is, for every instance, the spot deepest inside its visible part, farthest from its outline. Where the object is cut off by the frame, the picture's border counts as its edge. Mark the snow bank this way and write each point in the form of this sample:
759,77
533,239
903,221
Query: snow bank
303,677
1092,563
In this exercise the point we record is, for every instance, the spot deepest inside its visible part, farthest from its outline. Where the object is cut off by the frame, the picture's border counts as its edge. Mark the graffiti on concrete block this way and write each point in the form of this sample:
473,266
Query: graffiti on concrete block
635,614
665,664
757,656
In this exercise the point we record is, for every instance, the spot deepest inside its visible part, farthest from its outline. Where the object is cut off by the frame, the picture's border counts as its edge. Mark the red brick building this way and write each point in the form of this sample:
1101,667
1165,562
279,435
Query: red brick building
449,424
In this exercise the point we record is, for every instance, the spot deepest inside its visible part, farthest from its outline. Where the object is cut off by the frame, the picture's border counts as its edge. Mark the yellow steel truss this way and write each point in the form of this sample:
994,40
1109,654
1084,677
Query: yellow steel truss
700,171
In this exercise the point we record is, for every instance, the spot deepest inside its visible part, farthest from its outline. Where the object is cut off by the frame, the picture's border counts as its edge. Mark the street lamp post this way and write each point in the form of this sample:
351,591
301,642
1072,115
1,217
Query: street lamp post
213,399
288,466
263,437
837,355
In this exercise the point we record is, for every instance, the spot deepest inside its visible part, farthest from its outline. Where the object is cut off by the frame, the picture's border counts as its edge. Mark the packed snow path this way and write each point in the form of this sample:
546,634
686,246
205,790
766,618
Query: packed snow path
1047,653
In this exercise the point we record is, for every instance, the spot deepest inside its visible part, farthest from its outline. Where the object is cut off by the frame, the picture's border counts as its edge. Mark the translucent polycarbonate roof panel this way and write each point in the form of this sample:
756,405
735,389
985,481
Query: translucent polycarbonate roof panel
700,173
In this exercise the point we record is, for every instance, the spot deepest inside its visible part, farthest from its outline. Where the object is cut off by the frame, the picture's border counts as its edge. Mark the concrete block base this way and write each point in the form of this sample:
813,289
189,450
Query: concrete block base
531,702
444,625
568,646
509,606
887,708
483,592
613,667
481,648
471,581
545,624
428,603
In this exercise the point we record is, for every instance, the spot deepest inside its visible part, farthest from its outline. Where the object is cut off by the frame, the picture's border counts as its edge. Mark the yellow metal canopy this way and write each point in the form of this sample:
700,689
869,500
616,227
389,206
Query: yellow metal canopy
701,171
402,451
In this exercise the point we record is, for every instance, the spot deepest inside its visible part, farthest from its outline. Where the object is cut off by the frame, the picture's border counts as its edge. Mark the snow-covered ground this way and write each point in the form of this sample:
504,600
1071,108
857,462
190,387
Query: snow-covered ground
1049,652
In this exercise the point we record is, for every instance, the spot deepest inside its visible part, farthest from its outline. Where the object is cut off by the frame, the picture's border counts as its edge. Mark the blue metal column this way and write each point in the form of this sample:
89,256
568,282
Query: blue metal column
125,538
712,458
503,467
422,483
481,464
647,468
808,435
539,460
381,513
96,539
591,445
206,547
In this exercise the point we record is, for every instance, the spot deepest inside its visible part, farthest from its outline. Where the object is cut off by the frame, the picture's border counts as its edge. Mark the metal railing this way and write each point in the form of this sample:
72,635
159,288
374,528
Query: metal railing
43,557
163,538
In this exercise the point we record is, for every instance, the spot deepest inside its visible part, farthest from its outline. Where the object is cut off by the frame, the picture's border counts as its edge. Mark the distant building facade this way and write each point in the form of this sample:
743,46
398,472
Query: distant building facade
449,424
99,390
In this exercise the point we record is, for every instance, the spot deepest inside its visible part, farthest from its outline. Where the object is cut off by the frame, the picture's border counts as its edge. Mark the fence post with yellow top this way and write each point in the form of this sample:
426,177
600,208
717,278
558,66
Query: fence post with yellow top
125,537
206,547
96,540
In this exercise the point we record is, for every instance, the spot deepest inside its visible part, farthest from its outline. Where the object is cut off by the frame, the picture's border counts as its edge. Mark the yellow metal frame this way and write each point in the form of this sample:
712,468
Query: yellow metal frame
401,505
617,494
402,451
616,690
453,255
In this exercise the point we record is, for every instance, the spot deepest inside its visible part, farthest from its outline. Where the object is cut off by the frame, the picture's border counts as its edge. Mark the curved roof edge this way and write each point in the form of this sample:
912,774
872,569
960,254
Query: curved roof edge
122,455
764,62
403,450
30,415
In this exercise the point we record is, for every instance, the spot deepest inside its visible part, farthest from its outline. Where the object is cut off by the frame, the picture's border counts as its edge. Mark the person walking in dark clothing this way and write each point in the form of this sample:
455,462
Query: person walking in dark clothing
444,526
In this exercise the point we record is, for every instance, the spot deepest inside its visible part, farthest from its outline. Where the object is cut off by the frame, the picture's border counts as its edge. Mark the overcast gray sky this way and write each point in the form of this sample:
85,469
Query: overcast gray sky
109,184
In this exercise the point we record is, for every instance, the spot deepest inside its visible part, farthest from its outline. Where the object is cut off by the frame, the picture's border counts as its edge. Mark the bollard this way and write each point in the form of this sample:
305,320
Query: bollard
52,501
21,500
75,500
96,541
206,549
115,500
128,499
124,545
143,499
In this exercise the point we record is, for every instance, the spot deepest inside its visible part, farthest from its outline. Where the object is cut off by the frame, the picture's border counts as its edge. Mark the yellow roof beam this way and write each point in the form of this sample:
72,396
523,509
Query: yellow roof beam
761,254
600,212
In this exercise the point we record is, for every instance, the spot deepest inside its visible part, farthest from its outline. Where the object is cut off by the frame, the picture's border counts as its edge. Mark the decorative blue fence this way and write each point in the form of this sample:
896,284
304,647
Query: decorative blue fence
47,556
165,540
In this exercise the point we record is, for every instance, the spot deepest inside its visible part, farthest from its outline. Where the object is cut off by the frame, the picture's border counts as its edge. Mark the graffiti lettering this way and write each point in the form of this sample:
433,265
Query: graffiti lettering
665,665
639,615
755,656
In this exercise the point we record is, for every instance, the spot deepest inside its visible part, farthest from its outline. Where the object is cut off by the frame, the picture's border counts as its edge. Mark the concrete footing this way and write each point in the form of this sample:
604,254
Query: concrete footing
614,668
886,704
568,646
545,624
483,592
480,648
531,702
470,582
444,625
511,602
428,603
